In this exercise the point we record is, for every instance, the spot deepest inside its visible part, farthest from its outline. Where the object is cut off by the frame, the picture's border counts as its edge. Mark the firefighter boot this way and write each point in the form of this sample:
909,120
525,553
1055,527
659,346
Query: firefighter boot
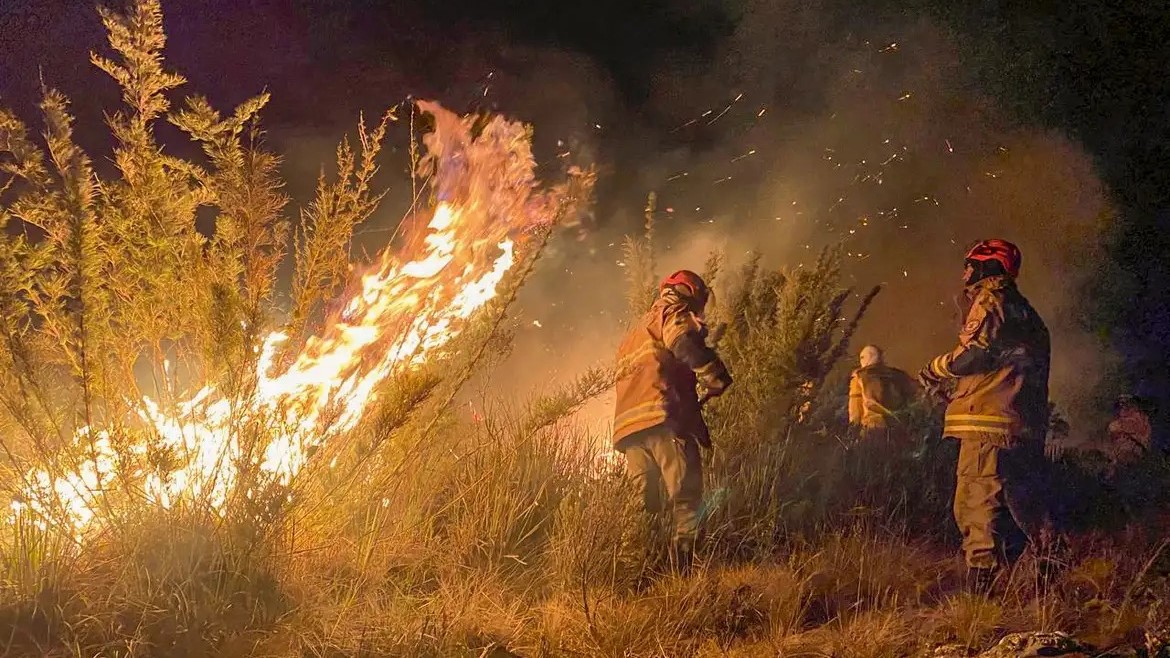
682,555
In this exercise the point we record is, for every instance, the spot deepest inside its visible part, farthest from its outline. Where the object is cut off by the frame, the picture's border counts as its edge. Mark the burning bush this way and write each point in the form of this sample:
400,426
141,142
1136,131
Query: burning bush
193,475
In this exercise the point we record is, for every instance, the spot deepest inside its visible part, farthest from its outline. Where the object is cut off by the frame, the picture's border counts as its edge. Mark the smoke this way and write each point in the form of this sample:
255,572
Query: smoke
799,135
792,125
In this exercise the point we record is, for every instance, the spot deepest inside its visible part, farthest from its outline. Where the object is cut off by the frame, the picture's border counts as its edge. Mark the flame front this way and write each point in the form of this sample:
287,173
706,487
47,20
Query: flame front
400,314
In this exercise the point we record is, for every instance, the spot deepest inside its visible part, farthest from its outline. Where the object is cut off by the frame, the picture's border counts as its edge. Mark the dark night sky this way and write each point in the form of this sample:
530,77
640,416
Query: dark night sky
1095,70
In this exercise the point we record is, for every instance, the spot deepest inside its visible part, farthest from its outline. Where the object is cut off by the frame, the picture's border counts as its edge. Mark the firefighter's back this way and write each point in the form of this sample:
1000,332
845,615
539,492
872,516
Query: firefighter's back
888,386
651,381
1010,399
1027,352
884,392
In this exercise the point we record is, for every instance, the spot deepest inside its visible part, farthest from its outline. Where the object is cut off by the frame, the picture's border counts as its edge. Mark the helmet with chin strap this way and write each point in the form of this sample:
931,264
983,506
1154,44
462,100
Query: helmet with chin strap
1000,251
689,285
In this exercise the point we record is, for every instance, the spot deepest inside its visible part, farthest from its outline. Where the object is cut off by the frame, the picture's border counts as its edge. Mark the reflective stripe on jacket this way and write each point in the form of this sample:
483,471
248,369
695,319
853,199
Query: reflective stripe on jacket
654,387
1007,398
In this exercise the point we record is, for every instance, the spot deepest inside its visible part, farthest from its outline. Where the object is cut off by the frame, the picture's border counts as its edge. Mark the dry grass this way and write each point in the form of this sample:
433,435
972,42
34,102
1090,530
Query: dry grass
432,537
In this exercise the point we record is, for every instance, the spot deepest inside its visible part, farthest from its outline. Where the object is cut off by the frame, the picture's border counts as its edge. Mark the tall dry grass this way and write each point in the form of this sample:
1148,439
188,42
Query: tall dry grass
432,535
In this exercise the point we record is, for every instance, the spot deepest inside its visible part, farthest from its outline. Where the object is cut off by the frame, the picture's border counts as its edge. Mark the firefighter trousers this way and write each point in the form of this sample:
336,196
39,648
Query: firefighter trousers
659,461
1001,500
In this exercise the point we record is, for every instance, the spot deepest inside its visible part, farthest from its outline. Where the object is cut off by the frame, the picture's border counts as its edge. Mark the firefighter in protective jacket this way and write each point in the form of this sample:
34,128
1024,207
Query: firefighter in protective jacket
1130,432
997,407
877,393
658,423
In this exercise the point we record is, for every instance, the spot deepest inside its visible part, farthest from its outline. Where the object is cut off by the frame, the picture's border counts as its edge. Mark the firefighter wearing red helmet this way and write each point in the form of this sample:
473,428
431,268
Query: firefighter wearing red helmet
997,407
658,423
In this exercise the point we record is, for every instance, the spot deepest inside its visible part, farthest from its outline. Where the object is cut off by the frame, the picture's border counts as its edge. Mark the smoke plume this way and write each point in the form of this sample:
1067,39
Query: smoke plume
789,126
797,137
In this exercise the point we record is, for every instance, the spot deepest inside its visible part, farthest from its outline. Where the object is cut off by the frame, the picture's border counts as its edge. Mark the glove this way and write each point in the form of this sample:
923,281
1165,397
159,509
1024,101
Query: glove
714,378
929,380
933,385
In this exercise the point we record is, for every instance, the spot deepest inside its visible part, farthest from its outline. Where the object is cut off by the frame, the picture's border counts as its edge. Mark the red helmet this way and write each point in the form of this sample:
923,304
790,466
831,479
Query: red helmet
694,287
1003,251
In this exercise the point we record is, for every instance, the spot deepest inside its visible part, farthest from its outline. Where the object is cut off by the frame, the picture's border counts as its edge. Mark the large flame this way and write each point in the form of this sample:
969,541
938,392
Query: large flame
404,309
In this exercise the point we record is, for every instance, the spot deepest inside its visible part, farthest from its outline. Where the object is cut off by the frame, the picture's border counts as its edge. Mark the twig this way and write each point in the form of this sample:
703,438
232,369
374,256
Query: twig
1133,586
589,621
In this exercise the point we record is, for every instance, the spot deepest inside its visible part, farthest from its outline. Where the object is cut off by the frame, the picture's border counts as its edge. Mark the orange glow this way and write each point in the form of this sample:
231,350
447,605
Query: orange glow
404,310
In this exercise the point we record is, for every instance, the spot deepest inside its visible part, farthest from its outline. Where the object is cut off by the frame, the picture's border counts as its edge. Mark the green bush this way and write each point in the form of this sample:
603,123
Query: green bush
419,534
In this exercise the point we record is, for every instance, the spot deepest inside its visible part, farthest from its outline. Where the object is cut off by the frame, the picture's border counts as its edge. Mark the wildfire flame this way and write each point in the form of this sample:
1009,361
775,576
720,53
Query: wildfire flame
401,313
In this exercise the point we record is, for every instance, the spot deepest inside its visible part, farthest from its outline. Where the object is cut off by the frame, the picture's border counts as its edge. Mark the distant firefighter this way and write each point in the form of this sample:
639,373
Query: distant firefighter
1129,432
658,423
998,410
877,393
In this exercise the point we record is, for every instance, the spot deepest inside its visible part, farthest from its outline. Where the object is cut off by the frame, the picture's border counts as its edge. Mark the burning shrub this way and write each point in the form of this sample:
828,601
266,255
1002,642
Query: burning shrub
306,491
116,307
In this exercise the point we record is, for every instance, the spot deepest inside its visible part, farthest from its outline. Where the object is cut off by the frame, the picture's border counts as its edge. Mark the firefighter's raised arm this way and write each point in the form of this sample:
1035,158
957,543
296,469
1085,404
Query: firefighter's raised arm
684,335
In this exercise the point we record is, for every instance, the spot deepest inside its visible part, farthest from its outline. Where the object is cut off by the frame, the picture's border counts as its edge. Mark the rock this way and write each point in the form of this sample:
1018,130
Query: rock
950,651
1062,645
1036,645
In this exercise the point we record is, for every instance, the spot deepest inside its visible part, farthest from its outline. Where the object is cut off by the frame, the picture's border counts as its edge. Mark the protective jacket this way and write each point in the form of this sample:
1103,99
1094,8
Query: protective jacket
659,365
999,369
1129,435
877,393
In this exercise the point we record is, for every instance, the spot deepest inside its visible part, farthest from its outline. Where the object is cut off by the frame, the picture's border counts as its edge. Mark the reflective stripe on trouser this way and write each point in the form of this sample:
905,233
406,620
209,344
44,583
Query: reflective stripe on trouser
960,424
999,501
657,459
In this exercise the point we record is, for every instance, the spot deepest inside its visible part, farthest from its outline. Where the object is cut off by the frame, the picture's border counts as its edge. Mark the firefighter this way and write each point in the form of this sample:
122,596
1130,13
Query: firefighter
1129,432
877,393
997,407
658,423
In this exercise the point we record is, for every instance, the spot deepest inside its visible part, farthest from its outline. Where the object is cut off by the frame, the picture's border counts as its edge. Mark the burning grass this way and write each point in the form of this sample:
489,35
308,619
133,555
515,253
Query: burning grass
315,496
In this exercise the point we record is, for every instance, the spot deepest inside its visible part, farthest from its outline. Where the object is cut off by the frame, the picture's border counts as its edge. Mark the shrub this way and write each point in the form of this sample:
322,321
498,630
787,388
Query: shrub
410,531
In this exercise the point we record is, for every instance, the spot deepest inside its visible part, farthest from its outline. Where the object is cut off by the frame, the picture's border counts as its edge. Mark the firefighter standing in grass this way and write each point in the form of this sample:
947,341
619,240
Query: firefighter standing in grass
877,393
997,407
1129,433
658,423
